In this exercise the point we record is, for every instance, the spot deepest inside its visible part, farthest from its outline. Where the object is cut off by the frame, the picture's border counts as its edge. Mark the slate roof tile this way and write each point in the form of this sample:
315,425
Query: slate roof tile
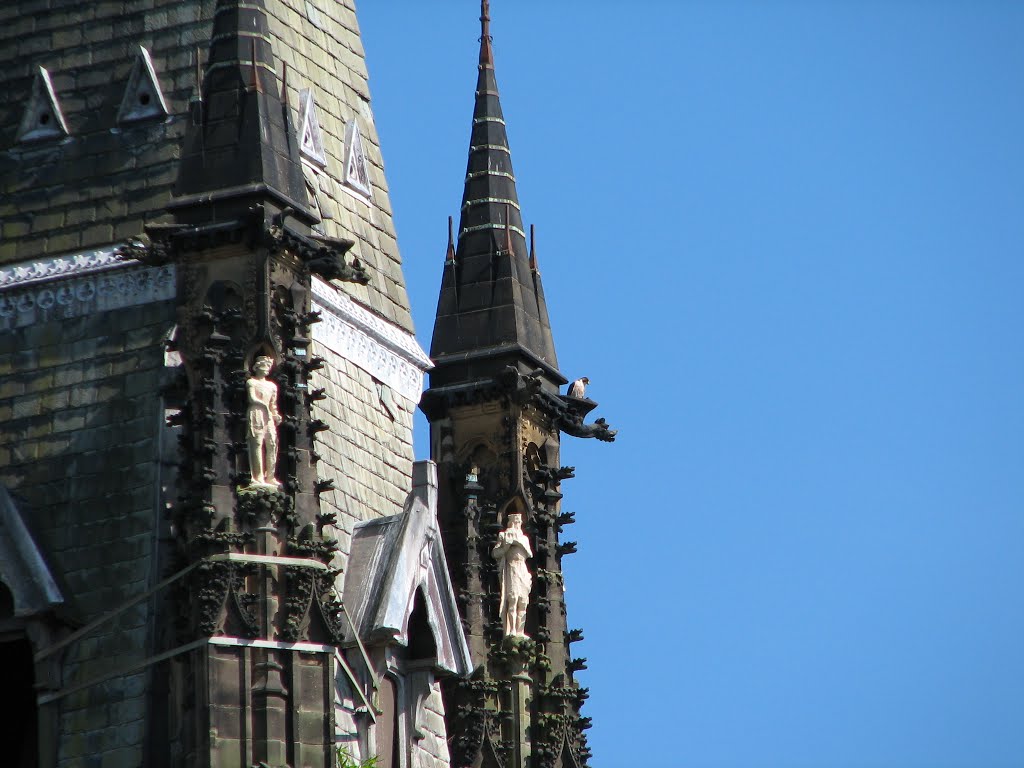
88,47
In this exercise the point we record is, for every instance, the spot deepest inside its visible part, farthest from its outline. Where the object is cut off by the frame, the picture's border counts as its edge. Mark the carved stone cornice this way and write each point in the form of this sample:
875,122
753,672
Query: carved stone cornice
75,264
387,352
68,293
565,413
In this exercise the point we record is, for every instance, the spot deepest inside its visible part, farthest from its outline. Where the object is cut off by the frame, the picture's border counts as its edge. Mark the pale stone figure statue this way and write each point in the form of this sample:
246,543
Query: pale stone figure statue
511,551
263,420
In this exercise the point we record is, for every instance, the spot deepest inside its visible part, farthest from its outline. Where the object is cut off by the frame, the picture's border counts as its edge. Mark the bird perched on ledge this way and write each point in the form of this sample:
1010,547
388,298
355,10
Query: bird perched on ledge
579,387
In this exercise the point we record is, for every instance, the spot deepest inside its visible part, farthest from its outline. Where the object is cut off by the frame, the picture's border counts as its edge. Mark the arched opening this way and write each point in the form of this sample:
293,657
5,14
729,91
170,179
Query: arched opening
19,687
533,459
485,460
421,638
517,505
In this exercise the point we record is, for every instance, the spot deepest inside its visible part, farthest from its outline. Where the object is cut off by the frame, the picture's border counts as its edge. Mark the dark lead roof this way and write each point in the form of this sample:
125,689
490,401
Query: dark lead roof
97,186
491,311
240,143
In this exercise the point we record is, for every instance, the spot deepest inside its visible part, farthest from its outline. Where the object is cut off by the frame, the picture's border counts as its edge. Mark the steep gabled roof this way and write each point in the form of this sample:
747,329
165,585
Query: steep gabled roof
97,185
391,560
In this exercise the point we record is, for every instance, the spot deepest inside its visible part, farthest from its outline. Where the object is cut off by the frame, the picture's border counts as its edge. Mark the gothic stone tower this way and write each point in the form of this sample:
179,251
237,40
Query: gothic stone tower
187,187
247,518
496,419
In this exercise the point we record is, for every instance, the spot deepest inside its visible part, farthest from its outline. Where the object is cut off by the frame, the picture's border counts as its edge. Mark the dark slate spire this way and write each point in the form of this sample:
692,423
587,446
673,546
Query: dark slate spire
240,147
491,312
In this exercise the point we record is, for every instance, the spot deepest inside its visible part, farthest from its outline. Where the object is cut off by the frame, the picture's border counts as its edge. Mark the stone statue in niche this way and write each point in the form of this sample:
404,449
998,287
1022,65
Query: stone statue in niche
263,418
511,551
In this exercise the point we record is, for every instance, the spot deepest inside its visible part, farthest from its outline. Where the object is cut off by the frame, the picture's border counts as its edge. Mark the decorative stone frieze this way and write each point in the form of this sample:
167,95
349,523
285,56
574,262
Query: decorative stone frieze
383,350
77,296
37,270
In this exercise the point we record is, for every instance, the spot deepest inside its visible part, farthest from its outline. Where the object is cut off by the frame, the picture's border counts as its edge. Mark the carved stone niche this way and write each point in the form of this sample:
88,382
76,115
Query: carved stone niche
511,550
485,459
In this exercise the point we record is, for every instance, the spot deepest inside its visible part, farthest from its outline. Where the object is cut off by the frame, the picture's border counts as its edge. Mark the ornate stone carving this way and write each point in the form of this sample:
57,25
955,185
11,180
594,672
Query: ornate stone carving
25,303
263,418
598,429
511,551
77,264
387,352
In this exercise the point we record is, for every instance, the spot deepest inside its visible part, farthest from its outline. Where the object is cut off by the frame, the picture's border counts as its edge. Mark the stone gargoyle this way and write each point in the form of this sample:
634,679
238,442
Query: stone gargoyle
598,429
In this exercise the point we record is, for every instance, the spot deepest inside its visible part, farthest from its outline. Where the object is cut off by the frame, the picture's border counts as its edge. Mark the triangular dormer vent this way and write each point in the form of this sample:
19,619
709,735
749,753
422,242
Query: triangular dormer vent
143,98
43,118
311,139
357,173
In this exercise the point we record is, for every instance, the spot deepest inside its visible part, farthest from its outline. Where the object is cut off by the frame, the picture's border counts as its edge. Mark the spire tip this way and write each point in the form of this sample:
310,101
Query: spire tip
486,54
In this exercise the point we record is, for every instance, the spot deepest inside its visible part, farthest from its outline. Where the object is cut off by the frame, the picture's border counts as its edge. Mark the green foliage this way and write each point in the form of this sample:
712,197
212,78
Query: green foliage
347,760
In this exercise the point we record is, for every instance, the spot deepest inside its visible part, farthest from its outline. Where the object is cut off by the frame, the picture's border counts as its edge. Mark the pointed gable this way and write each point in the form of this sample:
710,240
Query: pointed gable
396,561
357,172
22,567
42,118
311,139
143,98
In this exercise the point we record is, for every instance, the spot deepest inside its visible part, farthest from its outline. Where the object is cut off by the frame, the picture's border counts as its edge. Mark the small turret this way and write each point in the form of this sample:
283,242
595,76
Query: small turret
496,419
491,311
238,149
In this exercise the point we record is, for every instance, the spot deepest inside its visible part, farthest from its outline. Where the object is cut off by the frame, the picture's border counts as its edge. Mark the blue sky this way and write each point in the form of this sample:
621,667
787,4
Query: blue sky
784,240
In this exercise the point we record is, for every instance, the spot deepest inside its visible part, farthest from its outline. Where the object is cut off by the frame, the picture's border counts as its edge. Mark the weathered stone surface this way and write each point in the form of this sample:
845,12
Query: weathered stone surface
86,479
83,443
60,196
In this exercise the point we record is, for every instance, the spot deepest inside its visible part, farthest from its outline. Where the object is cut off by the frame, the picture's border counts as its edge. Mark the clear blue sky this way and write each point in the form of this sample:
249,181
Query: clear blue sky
785,240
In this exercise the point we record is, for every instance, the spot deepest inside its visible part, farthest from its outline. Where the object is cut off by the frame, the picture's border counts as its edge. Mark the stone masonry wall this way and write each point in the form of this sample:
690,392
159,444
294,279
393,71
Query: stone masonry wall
432,750
319,41
105,180
366,452
81,417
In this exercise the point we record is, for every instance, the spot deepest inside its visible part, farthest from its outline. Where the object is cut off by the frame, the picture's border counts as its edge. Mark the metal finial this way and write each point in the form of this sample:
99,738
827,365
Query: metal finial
533,252
450,256
486,54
